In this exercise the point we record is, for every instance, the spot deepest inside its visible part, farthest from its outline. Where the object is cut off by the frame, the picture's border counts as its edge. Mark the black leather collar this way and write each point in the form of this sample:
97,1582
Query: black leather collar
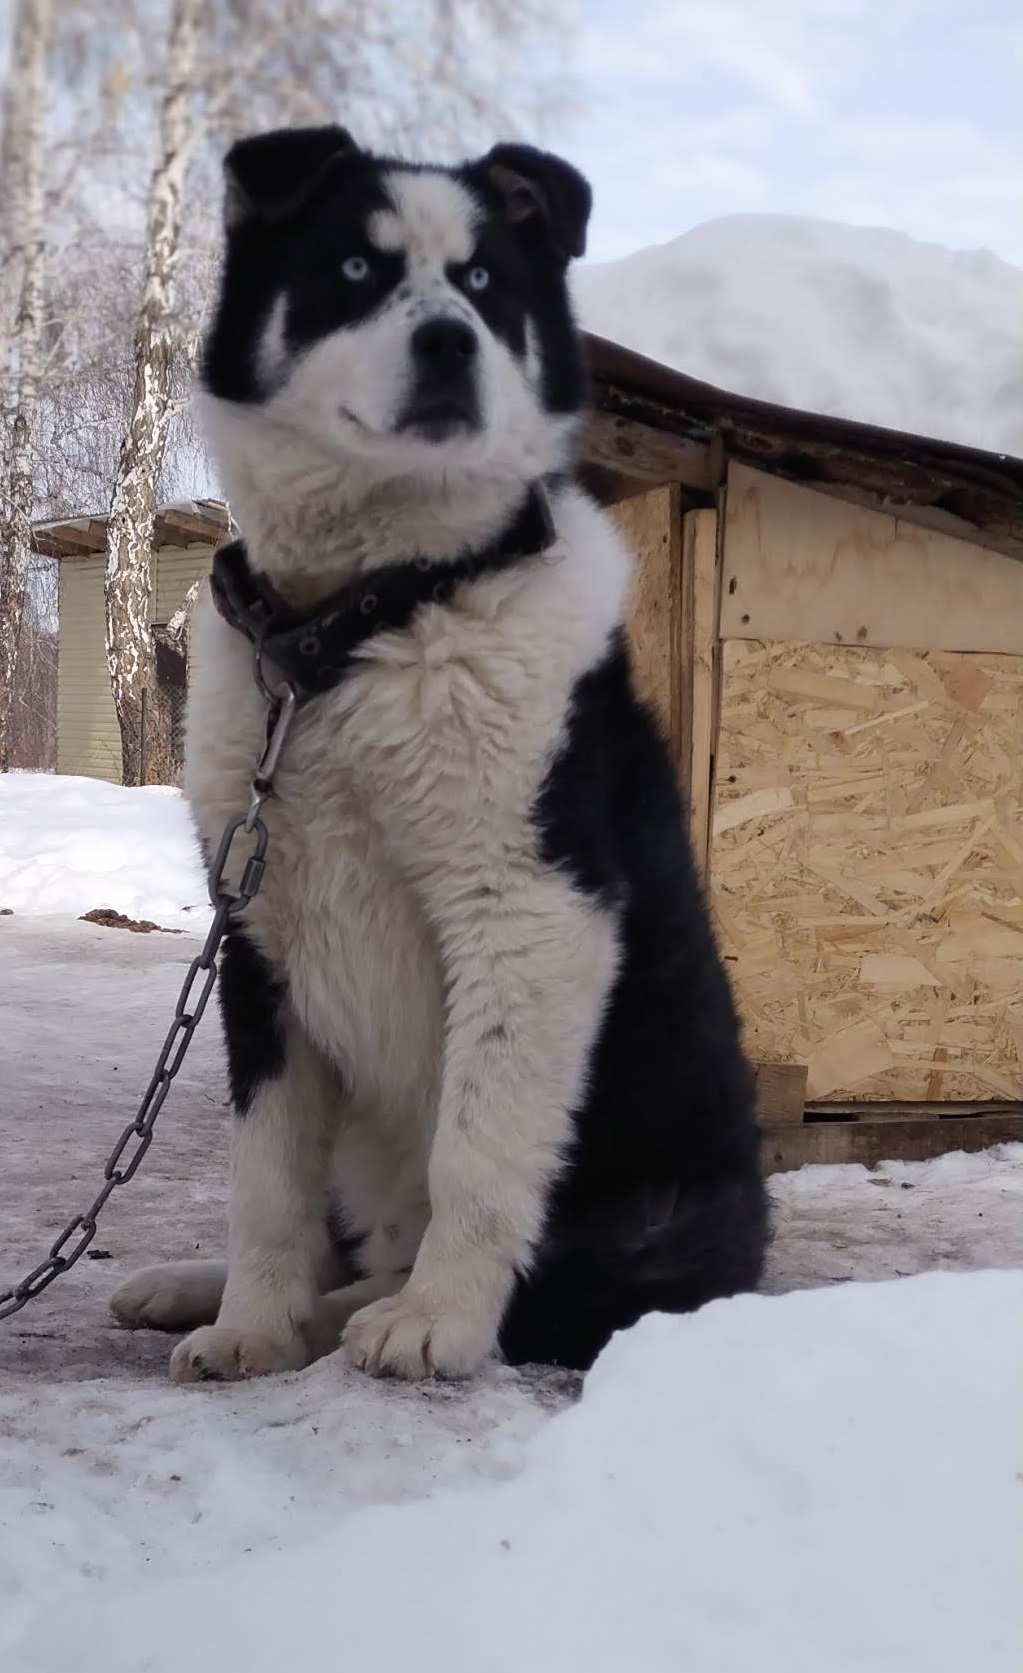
314,650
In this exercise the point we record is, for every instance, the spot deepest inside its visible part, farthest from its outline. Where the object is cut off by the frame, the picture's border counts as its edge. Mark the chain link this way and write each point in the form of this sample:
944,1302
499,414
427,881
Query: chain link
228,904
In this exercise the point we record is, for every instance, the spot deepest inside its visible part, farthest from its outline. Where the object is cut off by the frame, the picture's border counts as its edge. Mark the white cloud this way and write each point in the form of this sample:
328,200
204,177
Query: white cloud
703,107
789,53
944,180
706,171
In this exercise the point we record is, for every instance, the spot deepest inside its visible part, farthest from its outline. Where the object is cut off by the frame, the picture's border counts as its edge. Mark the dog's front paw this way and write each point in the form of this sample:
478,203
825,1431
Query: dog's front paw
218,1355
402,1337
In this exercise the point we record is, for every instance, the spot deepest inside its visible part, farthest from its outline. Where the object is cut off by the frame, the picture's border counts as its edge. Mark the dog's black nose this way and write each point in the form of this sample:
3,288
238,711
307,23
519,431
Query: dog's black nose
444,347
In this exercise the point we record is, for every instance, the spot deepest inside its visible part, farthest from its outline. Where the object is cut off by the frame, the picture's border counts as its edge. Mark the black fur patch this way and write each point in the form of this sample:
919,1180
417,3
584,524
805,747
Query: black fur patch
661,1205
301,256
251,999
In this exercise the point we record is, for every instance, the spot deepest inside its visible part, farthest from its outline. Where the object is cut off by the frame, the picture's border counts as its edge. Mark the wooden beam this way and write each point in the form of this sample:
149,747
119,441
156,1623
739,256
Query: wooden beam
175,528
65,540
652,526
700,671
654,457
609,487
781,1093
788,1146
904,1109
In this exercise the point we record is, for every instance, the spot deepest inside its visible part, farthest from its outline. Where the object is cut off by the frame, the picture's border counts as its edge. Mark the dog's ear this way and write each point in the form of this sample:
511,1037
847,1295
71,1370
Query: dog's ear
269,176
533,183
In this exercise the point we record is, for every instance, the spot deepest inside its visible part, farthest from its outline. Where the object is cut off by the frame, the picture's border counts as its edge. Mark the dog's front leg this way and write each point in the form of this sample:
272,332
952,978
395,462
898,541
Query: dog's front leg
529,970
271,1317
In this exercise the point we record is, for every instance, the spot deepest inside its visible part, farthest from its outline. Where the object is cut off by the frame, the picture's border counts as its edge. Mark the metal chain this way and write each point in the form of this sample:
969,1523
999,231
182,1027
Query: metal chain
227,905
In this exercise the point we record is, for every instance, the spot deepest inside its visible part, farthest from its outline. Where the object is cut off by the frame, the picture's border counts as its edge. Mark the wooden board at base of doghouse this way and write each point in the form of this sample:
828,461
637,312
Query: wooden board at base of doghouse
867,866
786,1147
780,1092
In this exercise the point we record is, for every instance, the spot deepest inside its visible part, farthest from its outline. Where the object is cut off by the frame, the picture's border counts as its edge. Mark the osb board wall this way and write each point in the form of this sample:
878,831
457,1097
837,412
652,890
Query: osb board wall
867,866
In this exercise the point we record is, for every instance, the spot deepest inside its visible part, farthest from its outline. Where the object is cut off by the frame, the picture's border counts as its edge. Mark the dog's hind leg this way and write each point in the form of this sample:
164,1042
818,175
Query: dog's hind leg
180,1295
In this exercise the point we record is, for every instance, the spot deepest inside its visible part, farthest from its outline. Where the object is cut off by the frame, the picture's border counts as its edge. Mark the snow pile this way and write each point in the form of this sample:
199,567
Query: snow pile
824,1480
69,845
857,322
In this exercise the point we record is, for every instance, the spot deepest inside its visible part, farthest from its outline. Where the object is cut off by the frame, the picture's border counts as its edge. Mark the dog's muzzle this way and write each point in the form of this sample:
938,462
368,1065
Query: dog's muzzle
445,397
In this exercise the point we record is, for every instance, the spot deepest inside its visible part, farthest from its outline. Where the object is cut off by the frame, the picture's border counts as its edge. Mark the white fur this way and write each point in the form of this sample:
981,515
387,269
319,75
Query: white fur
454,978
433,222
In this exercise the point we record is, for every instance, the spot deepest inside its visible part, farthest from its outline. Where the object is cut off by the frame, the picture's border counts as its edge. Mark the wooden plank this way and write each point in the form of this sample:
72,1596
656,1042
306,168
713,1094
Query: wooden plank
781,1093
785,1147
803,566
181,528
934,1109
701,670
1004,538
653,457
652,526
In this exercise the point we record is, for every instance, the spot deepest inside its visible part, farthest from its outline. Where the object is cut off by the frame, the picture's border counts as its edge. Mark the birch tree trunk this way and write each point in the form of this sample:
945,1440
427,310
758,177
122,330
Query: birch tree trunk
131,647
23,176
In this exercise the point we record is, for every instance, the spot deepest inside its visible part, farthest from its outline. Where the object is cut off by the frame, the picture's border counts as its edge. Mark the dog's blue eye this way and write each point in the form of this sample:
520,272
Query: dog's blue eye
355,268
477,278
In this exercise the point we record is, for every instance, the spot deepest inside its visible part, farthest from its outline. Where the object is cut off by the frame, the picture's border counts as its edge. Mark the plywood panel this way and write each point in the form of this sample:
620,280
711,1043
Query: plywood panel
652,525
868,866
802,566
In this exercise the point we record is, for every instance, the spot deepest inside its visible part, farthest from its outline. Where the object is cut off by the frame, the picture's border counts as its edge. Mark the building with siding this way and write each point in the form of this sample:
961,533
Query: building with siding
185,538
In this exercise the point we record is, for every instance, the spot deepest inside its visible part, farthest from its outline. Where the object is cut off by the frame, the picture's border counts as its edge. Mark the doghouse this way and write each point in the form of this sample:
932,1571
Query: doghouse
829,618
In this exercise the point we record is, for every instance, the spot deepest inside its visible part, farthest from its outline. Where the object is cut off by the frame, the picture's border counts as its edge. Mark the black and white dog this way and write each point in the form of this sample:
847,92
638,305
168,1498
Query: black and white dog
484,1059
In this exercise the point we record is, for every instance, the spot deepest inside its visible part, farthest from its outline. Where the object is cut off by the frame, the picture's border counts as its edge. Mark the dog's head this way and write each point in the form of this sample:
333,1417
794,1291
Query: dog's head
407,319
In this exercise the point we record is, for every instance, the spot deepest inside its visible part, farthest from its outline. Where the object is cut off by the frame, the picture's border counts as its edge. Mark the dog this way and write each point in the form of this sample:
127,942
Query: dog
486,1070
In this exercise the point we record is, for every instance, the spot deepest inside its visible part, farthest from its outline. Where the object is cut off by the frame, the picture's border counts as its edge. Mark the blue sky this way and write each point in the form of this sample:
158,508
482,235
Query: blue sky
900,113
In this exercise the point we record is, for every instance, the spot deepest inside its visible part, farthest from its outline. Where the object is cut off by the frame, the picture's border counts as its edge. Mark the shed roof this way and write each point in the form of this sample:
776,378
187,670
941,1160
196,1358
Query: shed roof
180,524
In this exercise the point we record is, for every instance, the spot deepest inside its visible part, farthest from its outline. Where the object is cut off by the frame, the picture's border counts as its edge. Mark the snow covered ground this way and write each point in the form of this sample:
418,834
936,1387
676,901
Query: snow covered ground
826,1477
857,322
69,845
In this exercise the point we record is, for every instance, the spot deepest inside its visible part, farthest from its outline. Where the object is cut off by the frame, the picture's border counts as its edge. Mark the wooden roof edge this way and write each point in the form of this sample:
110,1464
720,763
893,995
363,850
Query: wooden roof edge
647,408
706,404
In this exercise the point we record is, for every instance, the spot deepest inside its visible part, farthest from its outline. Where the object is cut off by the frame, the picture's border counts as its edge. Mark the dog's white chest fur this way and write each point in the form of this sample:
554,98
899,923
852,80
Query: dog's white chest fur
403,805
